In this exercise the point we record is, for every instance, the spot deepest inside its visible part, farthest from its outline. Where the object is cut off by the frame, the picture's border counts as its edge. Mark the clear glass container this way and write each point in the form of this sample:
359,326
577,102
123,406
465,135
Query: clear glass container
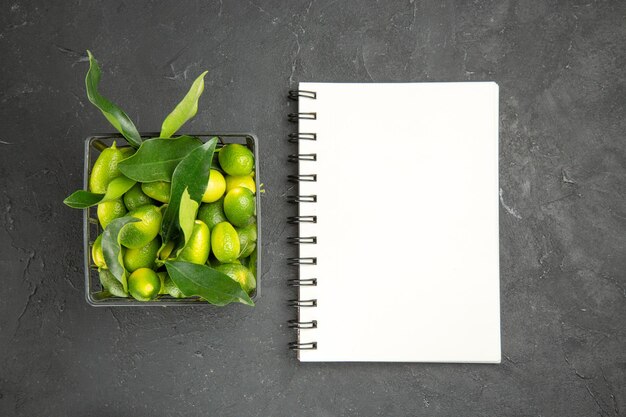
91,227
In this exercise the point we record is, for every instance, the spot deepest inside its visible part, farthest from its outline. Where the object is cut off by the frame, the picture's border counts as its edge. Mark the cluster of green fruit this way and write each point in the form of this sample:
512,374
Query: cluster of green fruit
224,232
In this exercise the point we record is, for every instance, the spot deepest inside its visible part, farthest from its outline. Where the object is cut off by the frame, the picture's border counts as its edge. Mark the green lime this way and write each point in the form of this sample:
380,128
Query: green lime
138,234
159,190
144,284
143,257
241,274
240,181
247,250
96,253
162,277
252,262
111,284
135,198
106,168
239,206
225,242
215,187
109,211
213,261
236,159
167,250
247,239
212,213
171,288
198,246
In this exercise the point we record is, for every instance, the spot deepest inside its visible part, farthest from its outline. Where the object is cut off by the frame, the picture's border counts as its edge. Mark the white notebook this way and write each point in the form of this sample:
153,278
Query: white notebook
404,267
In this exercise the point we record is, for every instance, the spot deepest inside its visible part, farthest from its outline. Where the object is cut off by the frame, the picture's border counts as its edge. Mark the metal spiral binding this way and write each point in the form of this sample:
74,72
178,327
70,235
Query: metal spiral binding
303,303
300,240
295,324
294,94
301,219
295,137
294,117
302,346
296,157
304,240
302,178
302,261
302,198
308,282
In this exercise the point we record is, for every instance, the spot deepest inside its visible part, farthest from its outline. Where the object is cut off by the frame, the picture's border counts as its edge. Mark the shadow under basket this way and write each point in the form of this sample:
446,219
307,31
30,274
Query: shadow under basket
91,227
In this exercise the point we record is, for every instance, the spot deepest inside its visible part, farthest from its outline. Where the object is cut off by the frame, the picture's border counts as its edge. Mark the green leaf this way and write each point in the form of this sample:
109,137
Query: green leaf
111,284
112,249
191,174
156,159
215,287
112,112
187,216
184,110
82,199
101,295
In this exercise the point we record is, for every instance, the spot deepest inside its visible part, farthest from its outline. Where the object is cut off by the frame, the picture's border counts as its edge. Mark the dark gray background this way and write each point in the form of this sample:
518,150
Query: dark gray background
561,71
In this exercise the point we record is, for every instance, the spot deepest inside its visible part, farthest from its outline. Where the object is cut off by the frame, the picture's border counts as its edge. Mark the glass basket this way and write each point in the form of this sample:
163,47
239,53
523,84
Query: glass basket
91,227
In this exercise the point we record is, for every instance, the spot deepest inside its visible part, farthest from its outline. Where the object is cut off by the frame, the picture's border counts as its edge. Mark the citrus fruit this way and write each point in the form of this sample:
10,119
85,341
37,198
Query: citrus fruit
213,261
143,257
171,288
162,277
239,206
212,213
96,253
225,242
240,181
135,198
159,190
109,211
236,159
111,284
215,188
241,274
138,234
198,246
247,250
106,168
144,284
252,262
247,239
167,250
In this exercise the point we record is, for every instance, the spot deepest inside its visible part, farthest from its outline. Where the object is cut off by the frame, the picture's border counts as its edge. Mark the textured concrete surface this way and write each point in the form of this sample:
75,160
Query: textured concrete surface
561,69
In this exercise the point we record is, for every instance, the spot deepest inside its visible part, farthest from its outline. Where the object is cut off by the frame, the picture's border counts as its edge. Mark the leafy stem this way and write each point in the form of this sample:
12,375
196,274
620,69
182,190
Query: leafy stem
111,111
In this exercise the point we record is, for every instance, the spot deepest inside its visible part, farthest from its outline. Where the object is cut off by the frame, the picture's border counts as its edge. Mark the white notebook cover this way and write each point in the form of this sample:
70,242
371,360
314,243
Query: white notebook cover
407,222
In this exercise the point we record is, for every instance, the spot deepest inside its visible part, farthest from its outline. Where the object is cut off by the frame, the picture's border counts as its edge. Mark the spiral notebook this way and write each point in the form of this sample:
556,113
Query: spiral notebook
398,222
